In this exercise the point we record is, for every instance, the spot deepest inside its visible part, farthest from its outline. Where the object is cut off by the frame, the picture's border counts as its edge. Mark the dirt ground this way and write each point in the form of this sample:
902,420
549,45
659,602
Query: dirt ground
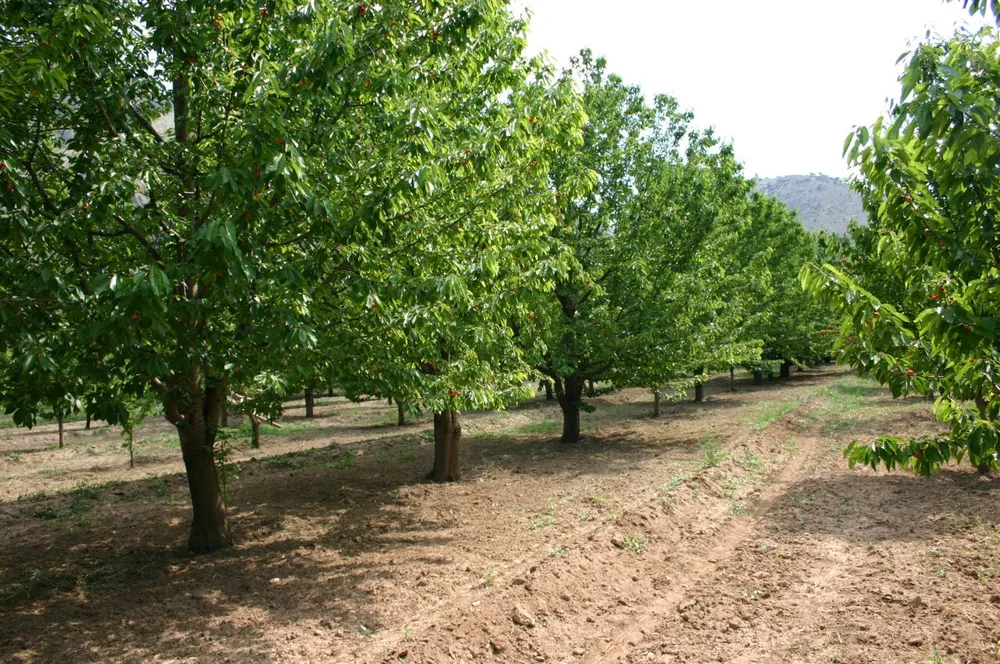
729,531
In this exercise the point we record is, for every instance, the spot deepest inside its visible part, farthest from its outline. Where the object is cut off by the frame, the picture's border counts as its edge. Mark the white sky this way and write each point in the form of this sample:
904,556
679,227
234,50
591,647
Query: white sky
785,80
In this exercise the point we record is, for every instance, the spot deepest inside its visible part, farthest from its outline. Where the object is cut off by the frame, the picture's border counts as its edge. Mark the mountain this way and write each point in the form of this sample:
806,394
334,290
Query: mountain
823,202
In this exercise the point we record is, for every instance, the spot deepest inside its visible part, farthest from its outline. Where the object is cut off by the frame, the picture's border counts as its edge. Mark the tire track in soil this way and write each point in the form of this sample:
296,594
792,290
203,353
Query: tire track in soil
698,560
599,600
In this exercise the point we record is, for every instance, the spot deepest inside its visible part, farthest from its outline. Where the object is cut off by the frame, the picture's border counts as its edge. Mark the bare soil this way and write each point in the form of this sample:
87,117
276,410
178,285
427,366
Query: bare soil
730,531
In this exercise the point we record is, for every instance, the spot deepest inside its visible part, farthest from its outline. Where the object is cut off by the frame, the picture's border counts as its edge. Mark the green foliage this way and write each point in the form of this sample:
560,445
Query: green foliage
713,451
919,293
205,199
657,288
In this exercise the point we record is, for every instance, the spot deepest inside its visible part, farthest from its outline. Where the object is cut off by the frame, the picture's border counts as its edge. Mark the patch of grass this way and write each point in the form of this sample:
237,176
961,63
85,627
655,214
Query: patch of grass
13,457
711,449
542,522
543,428
245,431
345,460
87,490
738,508
556,551
673,483
769,412
586,516
159,488
635,544
754,463
399,451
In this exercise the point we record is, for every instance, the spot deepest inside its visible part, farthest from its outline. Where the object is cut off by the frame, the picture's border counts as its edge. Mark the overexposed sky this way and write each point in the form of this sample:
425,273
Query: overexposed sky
785,80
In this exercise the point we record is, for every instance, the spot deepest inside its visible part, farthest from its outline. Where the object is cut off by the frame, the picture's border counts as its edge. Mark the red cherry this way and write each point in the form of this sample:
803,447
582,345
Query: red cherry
941,244
876,314
247,216
910,372
281,141
10,186
453,393
86,206
257,174
362,10
3,165
136,316
968,330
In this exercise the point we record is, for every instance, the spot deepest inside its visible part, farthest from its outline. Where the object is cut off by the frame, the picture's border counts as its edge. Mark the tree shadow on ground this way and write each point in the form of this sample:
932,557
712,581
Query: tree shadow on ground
863,507
103,574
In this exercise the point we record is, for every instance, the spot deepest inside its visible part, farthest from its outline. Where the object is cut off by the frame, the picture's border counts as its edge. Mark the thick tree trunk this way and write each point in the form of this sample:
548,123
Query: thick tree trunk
758,377
569,390
699,388
447,439
786,369
59,418
195,410
400,414
329,390
732,379
224,418
210,525
590,388
656,402
548,390
255,432
310,402
87,427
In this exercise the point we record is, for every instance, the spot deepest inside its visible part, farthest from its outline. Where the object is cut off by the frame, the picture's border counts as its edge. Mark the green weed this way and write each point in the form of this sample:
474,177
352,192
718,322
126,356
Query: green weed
635,544
711,449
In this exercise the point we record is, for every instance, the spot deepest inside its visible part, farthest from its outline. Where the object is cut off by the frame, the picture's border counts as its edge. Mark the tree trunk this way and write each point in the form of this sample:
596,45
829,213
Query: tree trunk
548,390
569,391
210,525
447,438
195,410
758,377
786,369
329,390
224,418
310,402
255,432
87,427
590,388
699,388
400,414
131,455
59,418
732,379
656,402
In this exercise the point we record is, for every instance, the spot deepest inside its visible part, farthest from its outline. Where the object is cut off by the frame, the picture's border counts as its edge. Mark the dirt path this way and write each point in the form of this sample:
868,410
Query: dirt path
726,531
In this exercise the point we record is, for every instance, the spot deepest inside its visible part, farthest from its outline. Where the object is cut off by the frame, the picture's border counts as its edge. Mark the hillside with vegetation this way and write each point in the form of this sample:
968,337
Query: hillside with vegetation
822,202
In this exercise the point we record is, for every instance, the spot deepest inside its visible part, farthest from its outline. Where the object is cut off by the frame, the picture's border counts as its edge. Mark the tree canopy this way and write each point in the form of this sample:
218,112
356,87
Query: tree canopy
195,194
920,299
